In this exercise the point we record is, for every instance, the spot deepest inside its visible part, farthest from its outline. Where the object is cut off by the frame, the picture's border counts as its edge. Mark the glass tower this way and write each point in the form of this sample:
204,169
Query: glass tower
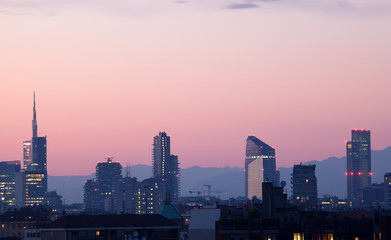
260,166
358,156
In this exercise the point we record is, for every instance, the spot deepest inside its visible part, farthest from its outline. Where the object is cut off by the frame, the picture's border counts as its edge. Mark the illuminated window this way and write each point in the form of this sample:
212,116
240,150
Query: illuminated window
298,236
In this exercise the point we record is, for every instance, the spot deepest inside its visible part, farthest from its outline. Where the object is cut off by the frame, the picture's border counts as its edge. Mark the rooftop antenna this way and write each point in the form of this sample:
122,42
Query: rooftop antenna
127,169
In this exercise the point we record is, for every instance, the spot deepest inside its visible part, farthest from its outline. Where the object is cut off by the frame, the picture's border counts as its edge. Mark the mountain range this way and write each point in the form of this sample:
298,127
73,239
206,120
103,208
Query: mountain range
229,181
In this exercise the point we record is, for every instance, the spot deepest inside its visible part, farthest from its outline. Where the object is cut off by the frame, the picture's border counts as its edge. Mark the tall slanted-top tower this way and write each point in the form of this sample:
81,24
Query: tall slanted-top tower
260,166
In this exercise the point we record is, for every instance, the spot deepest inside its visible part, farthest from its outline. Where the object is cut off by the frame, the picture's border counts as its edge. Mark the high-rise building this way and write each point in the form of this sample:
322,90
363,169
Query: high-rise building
8,171
32,182
304,185
358,156
260,166
99,195
107,174
165,165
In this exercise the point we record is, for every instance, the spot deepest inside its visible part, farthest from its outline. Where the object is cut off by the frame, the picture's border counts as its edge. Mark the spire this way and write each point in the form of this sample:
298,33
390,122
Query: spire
35,126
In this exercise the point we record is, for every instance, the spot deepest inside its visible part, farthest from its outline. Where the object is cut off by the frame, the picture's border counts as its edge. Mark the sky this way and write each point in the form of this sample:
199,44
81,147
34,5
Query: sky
109,75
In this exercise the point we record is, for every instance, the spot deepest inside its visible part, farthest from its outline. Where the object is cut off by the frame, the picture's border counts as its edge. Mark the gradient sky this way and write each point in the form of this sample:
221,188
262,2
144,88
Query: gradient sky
109,75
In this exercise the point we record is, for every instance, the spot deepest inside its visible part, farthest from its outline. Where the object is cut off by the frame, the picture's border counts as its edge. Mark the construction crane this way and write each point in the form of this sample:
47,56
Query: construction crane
209,187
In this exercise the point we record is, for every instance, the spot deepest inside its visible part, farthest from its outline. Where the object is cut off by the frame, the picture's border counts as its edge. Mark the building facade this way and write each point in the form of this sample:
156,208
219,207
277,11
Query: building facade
111,227
260,166
8,171
27,154
304,185
165,165
358,155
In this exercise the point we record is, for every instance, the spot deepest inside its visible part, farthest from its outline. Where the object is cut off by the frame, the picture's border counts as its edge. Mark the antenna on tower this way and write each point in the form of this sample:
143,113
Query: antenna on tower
127,169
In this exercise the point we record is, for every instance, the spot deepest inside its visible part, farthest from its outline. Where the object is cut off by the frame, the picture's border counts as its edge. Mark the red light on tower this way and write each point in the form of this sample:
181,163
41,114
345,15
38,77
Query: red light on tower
359,173
370,173
346,173
351,173
263,169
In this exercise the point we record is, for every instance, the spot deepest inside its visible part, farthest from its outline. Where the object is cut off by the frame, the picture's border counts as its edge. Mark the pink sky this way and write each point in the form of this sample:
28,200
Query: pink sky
111,75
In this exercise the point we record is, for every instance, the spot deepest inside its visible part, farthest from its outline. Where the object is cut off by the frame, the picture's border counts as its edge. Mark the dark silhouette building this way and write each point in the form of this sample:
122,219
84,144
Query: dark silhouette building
274,200
304,185
24,223
54,201
107,174
260,166
111,227
358,155
99,195
92,199
165,165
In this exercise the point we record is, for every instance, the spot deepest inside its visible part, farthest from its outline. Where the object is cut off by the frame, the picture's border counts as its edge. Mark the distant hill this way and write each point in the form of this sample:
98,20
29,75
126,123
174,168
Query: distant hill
229,181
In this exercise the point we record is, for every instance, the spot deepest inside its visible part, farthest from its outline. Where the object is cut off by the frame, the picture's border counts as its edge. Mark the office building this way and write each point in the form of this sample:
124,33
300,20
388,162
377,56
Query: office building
32,183
358,155
165,165
304,185
260,166
8,171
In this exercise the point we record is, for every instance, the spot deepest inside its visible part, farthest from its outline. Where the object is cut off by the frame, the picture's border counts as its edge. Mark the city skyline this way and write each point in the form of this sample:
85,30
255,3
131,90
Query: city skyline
209,73
146,163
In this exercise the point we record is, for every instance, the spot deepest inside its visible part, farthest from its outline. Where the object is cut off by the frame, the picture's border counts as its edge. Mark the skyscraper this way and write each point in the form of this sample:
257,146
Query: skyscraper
358,156
32,184
304,185
260,166
165,165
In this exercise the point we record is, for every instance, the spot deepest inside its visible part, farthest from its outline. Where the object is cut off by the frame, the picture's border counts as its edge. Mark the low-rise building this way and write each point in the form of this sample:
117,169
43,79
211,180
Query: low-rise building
111,227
